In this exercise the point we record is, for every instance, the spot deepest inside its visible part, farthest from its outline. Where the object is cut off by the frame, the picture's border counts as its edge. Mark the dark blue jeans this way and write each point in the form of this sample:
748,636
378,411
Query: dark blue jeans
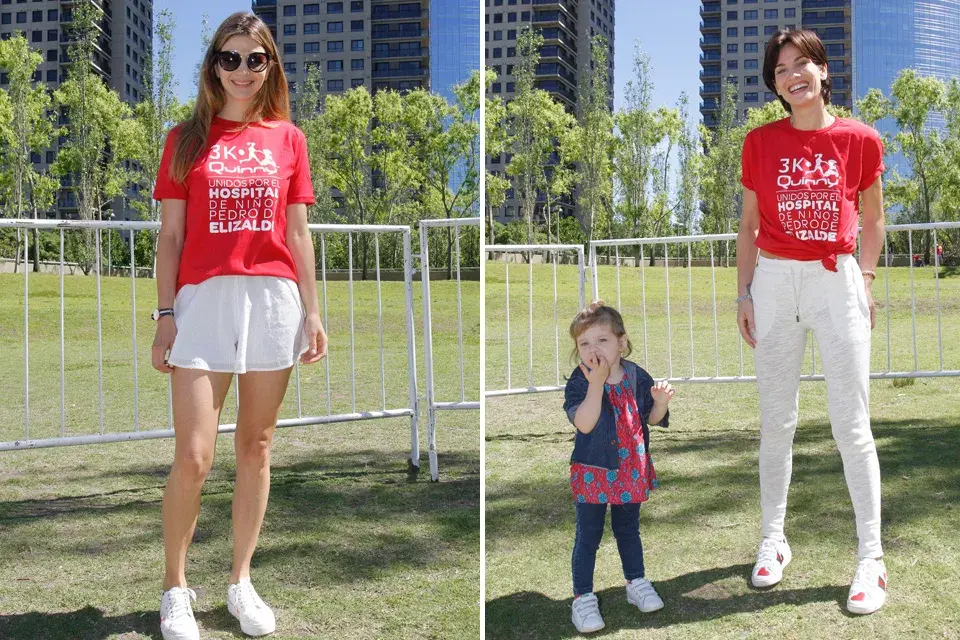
625,522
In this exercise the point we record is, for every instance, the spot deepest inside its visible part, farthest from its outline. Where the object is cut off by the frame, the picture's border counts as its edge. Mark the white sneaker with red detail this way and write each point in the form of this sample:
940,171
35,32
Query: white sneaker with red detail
642,595
772,557
176,615
243,603
868,591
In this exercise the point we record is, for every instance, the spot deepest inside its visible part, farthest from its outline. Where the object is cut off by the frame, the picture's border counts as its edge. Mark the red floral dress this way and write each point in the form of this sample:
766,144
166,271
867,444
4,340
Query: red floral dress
635,477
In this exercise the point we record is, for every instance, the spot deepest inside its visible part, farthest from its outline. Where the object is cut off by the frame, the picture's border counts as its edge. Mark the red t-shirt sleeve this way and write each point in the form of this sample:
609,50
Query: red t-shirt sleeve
872,159
746,162
165,187
301,185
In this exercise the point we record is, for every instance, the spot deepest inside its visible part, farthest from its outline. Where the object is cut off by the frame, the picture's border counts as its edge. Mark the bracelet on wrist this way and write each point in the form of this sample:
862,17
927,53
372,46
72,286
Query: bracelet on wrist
867,273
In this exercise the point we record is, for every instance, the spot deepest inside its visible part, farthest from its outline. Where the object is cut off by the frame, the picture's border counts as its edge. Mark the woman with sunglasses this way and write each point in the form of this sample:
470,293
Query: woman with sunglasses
237,295
808,180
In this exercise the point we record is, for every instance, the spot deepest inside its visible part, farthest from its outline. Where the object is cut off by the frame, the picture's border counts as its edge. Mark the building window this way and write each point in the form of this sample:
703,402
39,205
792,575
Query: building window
524,16
289,48
356,64
732,32
511,34
770,14
751,64
510,87
289,29
51,55
311,28
732,64
497,52
356,82
751,97
290,10
311,9
497,36
53,15
512,16
732,15
311,47
356,6
356,45
49,157
53,36
731,48
36,16
751,81
768,96
835,49
334,27
36,36
6,18
749,47
750,31
290,67
790,13
334,7
334,65
335,46
356,25
21,17
334,85
770,29
51,75
750,15
497,87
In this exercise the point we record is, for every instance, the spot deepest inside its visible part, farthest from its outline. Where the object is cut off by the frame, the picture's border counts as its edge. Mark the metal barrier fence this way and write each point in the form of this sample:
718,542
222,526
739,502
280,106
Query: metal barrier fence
433,404
701,344
555,250
132,228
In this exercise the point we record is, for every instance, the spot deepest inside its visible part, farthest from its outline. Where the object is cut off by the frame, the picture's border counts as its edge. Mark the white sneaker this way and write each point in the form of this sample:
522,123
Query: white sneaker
176,615
772,557
243,603
586,614
640,592
869,589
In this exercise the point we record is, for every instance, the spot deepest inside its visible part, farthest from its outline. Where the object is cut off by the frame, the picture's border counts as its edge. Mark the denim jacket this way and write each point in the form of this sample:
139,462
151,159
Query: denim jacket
599,448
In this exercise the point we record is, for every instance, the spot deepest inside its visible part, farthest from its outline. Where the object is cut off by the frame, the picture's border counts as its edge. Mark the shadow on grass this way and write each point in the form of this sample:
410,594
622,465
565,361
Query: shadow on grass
692,597
88,623
336,517
919,468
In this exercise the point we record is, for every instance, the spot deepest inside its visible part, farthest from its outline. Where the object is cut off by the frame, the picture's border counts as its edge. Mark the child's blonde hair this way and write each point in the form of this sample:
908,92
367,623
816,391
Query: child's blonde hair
593,314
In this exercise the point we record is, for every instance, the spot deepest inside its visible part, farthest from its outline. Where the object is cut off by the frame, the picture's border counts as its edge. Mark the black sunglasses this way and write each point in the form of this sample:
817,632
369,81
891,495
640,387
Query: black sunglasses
230,60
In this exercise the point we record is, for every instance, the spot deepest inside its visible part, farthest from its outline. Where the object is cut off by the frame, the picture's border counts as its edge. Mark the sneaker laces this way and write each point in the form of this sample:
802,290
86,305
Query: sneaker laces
586,604
867,575
247,596
178,602
767,555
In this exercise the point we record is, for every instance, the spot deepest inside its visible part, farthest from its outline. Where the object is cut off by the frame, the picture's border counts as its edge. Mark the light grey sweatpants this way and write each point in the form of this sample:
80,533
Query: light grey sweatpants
789,298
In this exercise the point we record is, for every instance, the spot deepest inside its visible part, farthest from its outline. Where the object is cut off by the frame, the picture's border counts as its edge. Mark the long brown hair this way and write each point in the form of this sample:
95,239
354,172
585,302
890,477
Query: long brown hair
272,102
598,313
810,46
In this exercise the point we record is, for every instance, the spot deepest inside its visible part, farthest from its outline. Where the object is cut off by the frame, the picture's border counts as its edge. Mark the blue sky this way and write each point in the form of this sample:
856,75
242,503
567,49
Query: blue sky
669,33
186,34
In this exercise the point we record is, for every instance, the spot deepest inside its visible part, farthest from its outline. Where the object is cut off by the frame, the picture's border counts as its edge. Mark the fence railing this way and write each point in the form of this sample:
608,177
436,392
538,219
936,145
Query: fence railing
123,391
433,404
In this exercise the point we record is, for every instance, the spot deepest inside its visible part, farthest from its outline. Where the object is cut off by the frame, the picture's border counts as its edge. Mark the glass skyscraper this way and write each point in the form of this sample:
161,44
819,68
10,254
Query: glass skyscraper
455,39
891,36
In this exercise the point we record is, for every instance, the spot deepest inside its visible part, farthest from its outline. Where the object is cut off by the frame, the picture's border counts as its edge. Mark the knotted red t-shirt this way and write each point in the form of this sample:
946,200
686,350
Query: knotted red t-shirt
237,194
808,185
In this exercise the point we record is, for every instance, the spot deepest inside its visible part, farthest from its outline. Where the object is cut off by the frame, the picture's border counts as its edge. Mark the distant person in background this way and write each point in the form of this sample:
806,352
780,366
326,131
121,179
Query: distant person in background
803,177
939,254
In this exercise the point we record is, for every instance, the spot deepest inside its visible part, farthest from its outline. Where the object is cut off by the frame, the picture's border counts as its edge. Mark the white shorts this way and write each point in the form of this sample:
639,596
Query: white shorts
237,324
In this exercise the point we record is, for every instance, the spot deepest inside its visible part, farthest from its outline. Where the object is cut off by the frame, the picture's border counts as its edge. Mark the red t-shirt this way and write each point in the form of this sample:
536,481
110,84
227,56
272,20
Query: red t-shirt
237,195
807,185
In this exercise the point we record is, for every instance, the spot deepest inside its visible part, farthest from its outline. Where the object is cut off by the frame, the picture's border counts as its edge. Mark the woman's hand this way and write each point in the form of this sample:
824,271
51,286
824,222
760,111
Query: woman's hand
867,282
318,339
162,343
599,369
662,392
746,323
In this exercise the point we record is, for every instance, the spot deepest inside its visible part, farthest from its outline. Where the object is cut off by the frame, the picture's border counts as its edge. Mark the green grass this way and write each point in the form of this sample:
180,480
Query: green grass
352,547
701,528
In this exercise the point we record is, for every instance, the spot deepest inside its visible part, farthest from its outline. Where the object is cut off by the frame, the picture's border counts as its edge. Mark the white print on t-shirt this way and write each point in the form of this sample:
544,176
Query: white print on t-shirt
808,202
238,204
232,160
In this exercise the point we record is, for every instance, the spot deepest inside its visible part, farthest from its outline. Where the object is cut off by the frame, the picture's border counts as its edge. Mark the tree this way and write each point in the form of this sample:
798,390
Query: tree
311,119
528,145
155,115
914,98
720,182
445,141
101,132
595,145
559,175
690,162
31,128
495,137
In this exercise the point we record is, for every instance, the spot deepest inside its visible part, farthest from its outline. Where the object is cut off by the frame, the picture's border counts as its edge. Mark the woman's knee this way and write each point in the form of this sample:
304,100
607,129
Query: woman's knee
253,449
193,465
